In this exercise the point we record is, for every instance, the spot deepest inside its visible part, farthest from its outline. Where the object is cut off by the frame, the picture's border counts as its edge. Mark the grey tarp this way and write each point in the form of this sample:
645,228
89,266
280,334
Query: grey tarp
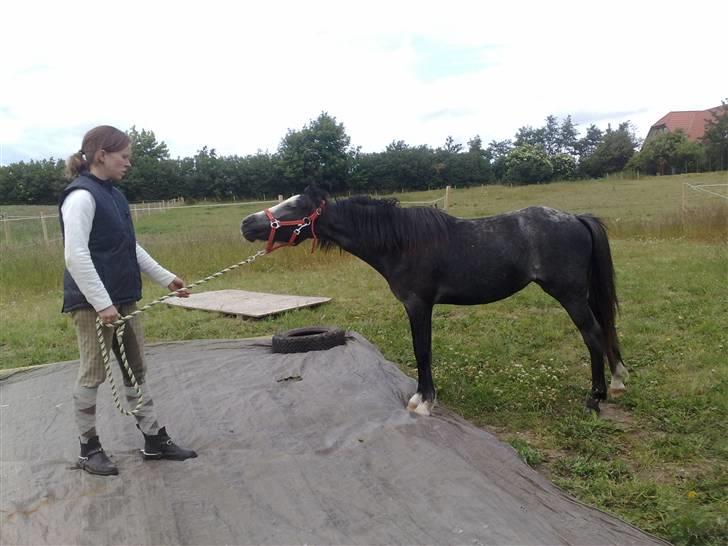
313,448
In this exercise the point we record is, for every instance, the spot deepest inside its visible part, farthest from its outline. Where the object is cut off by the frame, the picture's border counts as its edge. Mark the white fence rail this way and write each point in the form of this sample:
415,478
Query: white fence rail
710,189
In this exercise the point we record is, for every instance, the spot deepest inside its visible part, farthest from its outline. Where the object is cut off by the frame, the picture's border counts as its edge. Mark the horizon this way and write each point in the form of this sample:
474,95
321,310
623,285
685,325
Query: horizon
237,78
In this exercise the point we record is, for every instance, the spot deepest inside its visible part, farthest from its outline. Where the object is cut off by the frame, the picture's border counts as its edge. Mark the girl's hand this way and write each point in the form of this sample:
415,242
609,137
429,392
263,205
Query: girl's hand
109,315
178,286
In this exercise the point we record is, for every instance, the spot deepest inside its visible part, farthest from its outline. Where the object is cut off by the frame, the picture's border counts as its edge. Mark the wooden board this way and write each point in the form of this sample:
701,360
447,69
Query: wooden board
245,304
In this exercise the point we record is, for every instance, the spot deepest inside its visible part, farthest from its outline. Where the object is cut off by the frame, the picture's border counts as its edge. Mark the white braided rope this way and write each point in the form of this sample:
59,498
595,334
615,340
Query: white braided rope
119,332
120,324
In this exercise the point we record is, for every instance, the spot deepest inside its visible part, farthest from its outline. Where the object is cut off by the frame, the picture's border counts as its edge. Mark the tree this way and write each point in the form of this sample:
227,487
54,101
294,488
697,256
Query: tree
204,175
567,140
589,142
407,167
498,151
152,175
528,136
452,147
715,138
551,136
321,152
456,168
475,145
144,145
668,153
32,183
564,167
528,164
259,174
478,160
613,153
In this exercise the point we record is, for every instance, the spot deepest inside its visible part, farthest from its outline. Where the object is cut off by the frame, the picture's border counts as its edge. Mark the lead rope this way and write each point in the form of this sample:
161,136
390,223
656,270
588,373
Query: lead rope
120,324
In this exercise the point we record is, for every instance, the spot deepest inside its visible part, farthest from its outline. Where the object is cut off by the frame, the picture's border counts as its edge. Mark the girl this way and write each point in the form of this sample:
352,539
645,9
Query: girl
103,279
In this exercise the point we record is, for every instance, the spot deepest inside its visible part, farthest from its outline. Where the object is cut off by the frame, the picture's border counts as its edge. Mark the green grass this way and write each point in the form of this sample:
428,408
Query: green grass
657,457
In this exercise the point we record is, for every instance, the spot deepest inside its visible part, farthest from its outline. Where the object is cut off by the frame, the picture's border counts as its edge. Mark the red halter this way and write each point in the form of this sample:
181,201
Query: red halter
275,224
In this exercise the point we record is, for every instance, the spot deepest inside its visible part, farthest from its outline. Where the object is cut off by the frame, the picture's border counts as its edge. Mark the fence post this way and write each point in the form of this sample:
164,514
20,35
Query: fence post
280,198
683,211
447,197
6,228
45,228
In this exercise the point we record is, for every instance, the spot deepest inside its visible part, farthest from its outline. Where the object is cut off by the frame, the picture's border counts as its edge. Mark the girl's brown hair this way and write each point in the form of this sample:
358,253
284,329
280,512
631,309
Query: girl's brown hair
103,137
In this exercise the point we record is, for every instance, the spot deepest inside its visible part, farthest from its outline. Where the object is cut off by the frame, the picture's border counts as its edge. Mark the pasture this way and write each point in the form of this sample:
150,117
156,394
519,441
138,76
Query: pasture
656,457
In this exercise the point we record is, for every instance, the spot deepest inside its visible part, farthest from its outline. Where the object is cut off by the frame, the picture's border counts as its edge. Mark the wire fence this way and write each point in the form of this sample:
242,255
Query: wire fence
714,190
441,202
44,229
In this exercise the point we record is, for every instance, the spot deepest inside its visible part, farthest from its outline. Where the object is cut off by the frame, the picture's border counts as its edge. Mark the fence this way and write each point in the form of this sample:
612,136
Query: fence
44,228
445,200
713,190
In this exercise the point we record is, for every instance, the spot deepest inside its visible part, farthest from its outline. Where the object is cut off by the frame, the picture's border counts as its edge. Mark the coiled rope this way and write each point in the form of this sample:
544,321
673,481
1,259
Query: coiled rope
120,324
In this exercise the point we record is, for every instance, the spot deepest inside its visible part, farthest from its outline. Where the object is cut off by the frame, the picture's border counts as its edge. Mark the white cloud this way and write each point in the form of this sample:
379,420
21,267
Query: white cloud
236,76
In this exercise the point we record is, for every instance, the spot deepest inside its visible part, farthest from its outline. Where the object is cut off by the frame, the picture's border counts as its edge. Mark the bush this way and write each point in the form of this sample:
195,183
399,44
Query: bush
528,165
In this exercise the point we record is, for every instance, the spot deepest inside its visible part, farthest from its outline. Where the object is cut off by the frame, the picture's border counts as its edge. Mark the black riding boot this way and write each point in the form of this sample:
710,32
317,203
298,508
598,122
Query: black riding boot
93,459
161,446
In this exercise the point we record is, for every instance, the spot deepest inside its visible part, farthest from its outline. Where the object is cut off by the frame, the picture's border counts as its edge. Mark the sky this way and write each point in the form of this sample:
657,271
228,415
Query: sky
237,76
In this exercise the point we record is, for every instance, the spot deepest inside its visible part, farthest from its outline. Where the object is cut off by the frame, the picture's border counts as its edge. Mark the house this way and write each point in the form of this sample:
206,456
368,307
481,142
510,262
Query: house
692,123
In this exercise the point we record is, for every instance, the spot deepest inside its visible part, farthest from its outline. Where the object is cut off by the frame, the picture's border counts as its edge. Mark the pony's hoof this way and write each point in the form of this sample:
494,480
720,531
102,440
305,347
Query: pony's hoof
616,390
592,405
419,406
414,402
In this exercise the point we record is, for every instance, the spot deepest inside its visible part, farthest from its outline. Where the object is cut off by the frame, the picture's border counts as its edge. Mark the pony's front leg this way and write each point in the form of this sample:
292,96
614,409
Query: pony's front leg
420,317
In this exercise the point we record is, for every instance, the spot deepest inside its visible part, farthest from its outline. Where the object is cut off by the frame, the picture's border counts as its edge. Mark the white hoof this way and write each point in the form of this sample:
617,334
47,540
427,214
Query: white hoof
414,402
425,408
620,375
616,388
420,407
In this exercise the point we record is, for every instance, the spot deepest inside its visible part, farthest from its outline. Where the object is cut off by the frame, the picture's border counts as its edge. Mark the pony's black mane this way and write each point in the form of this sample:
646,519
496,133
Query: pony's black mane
385,226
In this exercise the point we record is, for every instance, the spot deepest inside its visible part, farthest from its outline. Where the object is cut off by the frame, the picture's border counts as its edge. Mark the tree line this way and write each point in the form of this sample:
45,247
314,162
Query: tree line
322,152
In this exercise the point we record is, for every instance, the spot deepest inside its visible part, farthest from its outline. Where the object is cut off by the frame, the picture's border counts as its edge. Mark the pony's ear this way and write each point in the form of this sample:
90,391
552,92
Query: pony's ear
316,193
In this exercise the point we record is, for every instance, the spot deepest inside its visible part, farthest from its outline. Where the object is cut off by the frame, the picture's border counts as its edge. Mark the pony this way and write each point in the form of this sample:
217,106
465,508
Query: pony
428,257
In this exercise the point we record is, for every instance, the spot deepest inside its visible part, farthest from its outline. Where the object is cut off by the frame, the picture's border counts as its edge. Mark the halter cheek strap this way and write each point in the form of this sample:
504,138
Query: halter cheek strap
306,221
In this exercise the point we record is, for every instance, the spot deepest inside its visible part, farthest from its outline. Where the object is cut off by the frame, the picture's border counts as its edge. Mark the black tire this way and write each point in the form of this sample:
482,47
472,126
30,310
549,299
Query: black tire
302,340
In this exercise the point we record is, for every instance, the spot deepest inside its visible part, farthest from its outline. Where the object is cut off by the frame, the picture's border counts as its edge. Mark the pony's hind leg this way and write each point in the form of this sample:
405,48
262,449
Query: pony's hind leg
610,343
591,333
619,373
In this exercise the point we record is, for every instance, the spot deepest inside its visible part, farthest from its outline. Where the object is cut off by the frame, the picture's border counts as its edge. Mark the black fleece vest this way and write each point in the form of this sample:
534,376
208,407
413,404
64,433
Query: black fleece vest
112,244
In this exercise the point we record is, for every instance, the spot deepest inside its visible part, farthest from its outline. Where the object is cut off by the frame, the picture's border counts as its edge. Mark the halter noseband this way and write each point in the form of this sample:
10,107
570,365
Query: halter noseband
275,224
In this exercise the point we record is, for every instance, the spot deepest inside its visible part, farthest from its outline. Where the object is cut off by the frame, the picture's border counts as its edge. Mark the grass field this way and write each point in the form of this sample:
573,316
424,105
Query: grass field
657,456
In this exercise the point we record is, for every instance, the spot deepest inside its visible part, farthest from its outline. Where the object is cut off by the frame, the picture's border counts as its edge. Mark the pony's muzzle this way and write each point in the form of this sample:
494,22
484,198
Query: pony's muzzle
250,227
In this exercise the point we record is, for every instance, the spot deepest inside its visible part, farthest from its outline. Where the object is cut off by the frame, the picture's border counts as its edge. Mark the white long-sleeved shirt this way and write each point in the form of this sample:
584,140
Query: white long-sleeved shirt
78,214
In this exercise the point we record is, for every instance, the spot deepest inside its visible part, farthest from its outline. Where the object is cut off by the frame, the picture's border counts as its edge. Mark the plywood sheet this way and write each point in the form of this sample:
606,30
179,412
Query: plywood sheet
245,304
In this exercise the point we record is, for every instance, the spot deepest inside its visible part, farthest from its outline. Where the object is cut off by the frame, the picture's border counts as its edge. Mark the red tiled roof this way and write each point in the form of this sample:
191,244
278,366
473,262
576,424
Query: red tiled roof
691,122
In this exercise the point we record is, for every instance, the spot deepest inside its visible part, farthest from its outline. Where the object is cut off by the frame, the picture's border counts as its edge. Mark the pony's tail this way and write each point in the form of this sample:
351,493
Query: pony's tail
602,291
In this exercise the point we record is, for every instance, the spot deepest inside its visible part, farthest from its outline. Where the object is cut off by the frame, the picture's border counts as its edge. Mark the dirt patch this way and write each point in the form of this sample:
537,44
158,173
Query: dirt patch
617,414
676,473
